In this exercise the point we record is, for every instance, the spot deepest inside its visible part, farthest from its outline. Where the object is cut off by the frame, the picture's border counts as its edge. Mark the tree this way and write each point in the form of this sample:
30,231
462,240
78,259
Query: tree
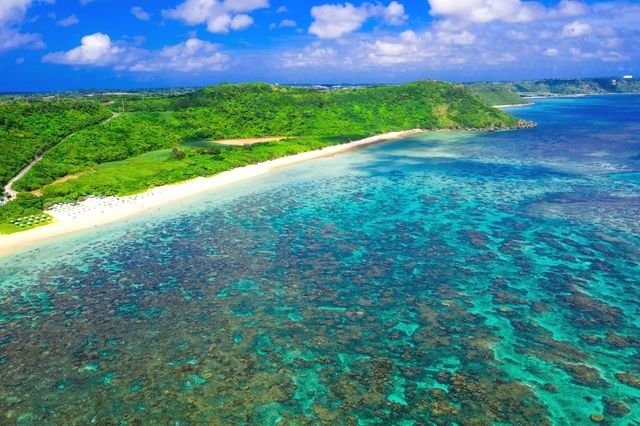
177,154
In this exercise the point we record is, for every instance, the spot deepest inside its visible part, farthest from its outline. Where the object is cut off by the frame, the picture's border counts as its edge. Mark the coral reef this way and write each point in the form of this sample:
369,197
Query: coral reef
448,279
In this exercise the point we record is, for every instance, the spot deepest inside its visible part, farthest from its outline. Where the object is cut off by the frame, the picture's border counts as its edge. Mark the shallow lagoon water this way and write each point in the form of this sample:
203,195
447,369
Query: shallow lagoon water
451,278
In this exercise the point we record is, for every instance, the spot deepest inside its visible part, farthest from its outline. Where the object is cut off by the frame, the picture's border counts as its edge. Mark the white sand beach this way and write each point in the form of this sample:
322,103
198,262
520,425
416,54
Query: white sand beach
93,212
513,105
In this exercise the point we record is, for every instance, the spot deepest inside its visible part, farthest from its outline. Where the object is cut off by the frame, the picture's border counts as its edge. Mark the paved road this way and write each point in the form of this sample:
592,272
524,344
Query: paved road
8,189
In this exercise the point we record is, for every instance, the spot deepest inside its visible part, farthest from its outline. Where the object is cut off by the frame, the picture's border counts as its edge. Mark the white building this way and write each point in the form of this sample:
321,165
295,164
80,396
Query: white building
627,77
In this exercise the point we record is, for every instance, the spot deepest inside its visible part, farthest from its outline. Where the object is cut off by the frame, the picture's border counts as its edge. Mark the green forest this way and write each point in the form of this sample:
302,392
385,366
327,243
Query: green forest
28,128
512,92
155,140
576,86
496,93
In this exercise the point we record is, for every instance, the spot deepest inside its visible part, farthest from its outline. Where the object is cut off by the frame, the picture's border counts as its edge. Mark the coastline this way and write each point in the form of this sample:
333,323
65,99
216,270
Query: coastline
512,105
93,212
578,95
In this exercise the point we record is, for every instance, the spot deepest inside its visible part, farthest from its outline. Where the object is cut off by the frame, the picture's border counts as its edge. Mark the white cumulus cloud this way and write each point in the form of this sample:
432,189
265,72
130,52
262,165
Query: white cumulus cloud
241,22
487,10
569,8
223,23
287,23
393,14
517,35
99,50
551,51
600,55
333,21
191,56
513,11
311,55
462,38
12,15
409,48
140,13
220,16
576,29
337,20
67,22
13,10
94,49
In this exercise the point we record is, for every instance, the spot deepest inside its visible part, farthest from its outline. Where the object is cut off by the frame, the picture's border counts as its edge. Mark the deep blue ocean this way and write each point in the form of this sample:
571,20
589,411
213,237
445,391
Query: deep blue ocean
450,279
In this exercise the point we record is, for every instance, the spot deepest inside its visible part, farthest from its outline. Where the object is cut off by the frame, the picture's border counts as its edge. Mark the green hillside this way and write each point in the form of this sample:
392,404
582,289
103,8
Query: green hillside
512,92
552,87
496,93
165,139
31,127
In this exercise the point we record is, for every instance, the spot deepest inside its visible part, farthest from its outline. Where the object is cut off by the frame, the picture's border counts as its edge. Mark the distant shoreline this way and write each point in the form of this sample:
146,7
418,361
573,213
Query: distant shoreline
513,105
553,96
577,95
93,212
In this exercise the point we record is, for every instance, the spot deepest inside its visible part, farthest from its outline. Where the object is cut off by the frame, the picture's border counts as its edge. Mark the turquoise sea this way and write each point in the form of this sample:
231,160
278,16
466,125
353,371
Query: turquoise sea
450,279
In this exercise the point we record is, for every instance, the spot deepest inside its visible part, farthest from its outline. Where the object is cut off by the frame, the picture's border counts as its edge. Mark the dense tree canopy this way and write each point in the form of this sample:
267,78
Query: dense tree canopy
31,127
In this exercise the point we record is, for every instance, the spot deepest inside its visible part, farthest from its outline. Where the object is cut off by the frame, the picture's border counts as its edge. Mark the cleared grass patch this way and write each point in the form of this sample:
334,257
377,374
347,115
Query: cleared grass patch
38,192
250,141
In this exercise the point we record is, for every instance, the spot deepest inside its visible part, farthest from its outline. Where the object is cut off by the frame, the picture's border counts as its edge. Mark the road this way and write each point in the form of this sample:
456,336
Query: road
8,189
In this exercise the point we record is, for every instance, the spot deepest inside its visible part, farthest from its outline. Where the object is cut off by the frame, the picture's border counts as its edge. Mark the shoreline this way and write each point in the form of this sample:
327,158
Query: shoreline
577,95
93,212
513,105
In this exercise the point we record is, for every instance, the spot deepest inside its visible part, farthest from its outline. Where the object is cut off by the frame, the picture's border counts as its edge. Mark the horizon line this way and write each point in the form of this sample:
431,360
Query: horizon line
197,87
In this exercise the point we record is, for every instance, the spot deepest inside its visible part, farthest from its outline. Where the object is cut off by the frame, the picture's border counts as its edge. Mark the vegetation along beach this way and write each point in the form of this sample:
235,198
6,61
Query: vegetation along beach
167,139
268,212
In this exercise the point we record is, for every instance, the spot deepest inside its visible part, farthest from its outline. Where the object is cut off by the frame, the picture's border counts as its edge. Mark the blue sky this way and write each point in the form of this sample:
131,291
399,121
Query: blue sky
71,44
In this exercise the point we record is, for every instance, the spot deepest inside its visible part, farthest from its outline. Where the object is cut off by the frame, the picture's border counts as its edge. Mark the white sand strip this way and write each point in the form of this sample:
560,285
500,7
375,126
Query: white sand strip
93,212
512,105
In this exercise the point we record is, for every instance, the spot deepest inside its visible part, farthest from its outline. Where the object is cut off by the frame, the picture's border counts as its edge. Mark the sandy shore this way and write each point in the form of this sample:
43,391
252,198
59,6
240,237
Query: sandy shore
513,105
93,212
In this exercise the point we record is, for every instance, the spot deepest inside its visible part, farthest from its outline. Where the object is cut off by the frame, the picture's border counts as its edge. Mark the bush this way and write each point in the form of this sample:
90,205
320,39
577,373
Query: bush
214,151
177,154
